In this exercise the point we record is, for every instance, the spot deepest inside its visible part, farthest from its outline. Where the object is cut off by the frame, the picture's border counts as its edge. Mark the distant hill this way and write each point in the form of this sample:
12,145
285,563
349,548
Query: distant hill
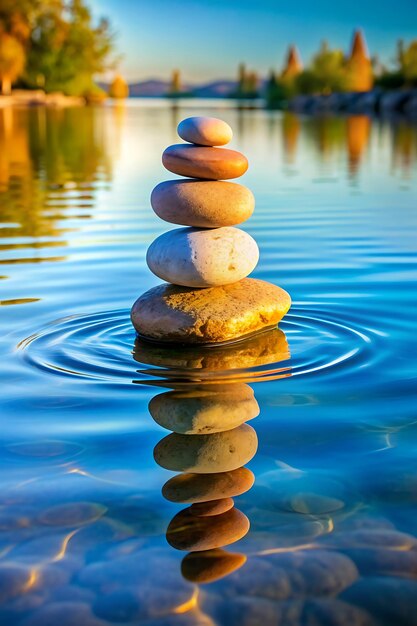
155,88
216,89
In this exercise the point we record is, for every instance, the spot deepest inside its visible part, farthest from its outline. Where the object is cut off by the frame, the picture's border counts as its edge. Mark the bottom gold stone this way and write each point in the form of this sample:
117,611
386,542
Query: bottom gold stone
171,313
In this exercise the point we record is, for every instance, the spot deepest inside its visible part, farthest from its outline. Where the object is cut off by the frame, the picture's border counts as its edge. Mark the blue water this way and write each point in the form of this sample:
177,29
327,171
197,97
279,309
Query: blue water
333,536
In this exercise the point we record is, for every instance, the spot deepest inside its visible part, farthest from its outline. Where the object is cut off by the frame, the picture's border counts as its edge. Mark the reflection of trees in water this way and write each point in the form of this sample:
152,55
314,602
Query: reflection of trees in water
404,145
50,159
357,134
327,134
334,135
290,133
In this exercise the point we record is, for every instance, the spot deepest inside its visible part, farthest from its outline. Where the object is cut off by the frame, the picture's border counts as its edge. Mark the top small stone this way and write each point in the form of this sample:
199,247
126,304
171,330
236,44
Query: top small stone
205,131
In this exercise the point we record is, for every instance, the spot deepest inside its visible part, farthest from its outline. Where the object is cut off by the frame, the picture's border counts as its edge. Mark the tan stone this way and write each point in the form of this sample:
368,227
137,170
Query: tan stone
72,514
204,411
188,488
202,203
205,131
213,507
203,162
216,314
187,532
210,565
203,257
207,454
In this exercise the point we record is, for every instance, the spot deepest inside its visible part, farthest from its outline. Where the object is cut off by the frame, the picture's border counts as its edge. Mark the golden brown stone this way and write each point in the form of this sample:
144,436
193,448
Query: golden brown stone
203,411
188,488
187,532
202,203
203,162
213,507
210,565
181,314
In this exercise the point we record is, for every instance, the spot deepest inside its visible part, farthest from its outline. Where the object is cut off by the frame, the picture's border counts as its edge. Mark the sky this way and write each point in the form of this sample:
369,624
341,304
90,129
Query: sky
207,40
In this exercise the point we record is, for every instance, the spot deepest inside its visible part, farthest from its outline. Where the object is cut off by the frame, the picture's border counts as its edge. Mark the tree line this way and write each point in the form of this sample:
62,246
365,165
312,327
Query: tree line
330,71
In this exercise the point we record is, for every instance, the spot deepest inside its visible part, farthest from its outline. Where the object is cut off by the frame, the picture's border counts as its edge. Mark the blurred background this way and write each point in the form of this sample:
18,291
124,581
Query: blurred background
275,55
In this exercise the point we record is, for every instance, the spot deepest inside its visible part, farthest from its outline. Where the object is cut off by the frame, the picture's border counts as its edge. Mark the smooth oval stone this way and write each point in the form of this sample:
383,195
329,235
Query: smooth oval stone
202,203
390,600
204,411
207,454
73,514
188,488
214,507
64,614
14,580
196,257
210,565
177,314
205,131
187,532
202,162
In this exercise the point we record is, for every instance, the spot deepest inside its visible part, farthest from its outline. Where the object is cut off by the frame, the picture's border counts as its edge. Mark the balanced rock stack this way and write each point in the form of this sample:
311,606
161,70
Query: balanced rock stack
209,300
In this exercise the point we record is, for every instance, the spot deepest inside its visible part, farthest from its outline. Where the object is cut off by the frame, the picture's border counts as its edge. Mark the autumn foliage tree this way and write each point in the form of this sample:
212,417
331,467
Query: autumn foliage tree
325,75
119,88
63,45
12,61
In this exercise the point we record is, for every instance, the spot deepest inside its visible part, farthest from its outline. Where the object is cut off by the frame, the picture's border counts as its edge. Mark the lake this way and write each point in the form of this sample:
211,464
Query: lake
91,533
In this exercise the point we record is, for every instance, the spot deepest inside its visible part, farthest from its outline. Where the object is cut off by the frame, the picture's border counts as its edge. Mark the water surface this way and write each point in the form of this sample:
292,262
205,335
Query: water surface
333,537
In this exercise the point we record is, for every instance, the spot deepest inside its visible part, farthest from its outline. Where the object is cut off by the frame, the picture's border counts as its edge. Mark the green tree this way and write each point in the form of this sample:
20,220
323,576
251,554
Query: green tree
407,60
405,73
67,49
12,61
325,75
275,93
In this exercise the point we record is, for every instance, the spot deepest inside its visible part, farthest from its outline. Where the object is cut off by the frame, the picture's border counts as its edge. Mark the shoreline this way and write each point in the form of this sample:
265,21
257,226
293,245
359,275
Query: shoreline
23,97
374,103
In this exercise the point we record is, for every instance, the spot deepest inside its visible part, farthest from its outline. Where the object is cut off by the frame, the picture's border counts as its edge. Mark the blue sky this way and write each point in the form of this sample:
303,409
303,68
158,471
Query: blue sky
208,40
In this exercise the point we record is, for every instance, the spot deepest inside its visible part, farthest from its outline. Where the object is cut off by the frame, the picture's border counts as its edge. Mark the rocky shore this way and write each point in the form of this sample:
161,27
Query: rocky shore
373,102
22,97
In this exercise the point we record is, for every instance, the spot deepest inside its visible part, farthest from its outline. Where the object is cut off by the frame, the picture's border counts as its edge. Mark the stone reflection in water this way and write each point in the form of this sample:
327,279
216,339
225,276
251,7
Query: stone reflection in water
210,444
193,364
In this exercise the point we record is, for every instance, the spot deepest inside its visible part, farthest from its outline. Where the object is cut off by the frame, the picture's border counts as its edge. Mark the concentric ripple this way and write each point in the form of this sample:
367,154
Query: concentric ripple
103,347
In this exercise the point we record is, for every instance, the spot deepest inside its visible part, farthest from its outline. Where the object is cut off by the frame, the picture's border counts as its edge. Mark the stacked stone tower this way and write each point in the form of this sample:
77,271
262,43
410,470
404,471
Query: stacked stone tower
208,298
